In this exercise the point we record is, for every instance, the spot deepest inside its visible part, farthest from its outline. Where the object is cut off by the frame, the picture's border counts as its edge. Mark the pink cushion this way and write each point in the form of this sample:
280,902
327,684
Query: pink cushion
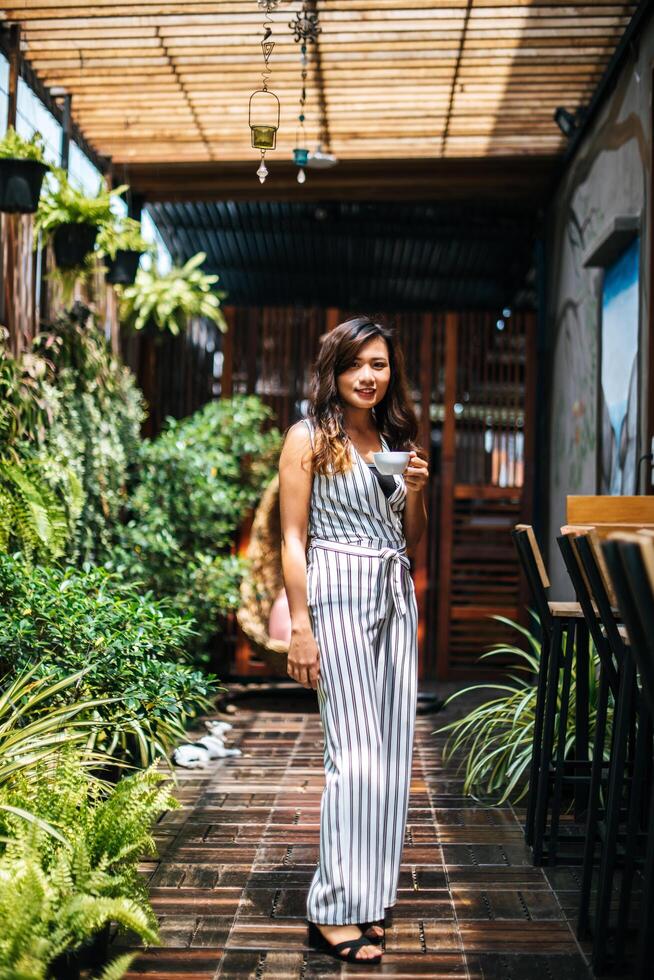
279,622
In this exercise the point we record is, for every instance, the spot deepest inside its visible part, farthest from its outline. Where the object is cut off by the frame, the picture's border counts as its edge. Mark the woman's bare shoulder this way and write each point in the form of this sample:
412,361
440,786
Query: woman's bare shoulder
297,447
297,436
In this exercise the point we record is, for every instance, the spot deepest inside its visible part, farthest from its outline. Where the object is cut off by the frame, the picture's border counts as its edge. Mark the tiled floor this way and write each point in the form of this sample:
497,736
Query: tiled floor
235,863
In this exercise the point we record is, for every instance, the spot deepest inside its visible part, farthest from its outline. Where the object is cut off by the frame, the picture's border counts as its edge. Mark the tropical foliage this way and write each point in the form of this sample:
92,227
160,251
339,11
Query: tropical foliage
494,740
170,300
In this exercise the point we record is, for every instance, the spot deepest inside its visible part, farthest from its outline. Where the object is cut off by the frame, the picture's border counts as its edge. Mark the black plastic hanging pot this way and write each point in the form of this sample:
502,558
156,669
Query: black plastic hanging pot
72,243
20,185
121,270
65,967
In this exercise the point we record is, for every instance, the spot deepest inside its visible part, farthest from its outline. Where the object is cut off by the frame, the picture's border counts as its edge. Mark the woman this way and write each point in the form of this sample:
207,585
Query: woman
354,621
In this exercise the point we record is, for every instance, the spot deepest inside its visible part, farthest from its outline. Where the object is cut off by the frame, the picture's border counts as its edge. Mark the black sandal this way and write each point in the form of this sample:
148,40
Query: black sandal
317,939
375,922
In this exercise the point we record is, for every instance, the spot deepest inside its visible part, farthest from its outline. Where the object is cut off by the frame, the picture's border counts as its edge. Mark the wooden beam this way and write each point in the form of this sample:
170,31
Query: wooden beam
14,73
66,126
504,179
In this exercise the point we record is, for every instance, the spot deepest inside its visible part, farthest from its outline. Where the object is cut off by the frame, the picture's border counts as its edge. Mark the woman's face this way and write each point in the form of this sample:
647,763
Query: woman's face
365,382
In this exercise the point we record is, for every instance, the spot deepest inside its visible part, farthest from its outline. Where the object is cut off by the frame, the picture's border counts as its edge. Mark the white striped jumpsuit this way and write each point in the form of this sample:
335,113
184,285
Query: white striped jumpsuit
364,618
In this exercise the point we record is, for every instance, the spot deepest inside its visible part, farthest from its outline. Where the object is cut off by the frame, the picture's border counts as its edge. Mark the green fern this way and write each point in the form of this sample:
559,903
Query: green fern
33,519
118,968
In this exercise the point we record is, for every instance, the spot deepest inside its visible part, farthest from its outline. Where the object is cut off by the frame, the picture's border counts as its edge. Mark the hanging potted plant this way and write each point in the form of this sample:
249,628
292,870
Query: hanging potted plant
122,244
22,169
71,219
166,302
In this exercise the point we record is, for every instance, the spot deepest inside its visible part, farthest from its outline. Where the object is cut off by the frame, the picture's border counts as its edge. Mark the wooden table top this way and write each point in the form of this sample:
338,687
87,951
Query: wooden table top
608,514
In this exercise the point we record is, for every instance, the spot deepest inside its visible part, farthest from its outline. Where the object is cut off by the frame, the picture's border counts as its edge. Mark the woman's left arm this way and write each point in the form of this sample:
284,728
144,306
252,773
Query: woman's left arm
414,521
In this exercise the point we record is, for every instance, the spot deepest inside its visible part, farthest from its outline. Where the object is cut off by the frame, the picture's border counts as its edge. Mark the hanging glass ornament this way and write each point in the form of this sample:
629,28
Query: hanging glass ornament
305,29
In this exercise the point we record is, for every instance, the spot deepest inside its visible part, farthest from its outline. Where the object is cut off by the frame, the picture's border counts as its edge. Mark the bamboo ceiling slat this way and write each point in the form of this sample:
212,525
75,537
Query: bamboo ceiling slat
157,81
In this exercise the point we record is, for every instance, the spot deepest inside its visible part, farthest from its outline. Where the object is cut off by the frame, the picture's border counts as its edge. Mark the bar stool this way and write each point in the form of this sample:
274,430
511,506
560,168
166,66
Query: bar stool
561,623
631,562
603,827
607,681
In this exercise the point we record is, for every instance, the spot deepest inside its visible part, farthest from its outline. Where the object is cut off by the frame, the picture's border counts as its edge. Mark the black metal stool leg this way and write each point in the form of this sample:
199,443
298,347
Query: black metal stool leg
537,739
542,795
642,750
568,662
613,807
645,952
582,702
592,820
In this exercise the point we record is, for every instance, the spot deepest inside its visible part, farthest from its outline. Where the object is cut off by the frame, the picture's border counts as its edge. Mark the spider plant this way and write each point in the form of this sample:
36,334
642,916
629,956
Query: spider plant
494,739
35,724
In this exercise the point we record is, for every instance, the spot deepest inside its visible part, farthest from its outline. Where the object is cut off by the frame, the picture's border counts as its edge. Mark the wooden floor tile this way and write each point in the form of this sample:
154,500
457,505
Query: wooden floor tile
233,866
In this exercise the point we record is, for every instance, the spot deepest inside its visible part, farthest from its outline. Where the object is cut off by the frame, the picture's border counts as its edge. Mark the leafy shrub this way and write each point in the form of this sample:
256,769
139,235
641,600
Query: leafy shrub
198,480
495,738
59,621
39,504
95,429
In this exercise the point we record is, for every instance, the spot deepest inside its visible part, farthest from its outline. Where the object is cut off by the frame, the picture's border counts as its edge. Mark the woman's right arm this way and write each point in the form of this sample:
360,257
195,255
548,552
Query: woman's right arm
295,481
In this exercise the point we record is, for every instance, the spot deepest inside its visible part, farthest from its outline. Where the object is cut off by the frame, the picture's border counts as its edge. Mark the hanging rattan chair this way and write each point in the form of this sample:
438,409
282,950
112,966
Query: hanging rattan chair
264,581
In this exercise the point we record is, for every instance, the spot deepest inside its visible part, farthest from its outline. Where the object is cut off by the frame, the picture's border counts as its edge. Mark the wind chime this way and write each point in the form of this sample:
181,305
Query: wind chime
264,104
305,29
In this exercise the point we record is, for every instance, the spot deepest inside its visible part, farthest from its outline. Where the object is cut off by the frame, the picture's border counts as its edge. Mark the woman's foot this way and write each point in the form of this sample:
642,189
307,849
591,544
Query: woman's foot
336,935
373,930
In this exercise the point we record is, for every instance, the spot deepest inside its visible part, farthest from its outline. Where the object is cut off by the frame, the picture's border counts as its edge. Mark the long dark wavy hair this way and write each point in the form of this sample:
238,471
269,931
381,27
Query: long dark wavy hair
394,414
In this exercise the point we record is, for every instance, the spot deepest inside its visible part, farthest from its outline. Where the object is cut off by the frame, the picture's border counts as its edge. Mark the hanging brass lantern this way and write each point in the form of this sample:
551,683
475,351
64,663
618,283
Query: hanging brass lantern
264,119
264,123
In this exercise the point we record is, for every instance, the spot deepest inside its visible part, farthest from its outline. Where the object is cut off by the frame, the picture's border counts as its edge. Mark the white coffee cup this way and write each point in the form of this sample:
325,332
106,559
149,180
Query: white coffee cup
391,463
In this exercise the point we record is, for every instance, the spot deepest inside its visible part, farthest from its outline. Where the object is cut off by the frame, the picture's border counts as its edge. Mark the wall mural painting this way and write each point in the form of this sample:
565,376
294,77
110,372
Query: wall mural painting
573,442
619,374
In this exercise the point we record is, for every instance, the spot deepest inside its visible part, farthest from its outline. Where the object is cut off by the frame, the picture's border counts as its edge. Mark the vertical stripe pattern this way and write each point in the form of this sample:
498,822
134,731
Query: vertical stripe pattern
364,617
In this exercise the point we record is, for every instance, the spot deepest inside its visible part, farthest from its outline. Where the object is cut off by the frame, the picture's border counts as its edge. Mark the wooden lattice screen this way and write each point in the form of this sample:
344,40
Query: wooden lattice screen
487,457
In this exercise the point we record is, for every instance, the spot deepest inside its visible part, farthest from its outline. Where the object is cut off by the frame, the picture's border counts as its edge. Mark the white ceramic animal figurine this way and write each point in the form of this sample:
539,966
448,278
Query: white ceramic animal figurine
197,755
218,727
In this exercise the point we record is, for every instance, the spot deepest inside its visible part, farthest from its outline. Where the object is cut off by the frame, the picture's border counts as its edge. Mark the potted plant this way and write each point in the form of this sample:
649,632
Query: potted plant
71,219
167,302
22,168
122,245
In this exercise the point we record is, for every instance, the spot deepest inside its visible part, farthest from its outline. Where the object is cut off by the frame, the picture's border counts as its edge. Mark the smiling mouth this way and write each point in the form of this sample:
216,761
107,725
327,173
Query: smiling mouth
365,391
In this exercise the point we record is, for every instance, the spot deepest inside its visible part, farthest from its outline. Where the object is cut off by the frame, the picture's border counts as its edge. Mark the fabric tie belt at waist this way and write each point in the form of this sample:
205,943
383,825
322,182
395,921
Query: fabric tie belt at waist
396,556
